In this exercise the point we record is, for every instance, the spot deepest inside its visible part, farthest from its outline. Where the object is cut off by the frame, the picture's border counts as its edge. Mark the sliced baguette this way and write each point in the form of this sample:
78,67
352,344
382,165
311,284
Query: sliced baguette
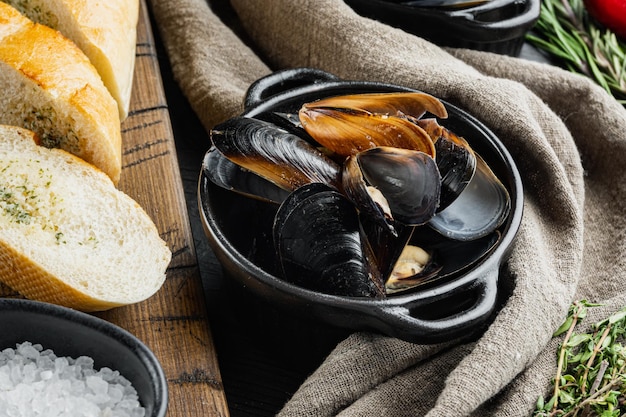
106,31
49,86
67,235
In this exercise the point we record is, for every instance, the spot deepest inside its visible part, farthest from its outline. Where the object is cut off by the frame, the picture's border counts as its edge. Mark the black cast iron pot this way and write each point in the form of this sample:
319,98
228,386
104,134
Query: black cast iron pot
239,232
496,25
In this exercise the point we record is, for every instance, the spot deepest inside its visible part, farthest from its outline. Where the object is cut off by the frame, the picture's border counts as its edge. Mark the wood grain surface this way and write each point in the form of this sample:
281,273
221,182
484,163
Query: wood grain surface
174,322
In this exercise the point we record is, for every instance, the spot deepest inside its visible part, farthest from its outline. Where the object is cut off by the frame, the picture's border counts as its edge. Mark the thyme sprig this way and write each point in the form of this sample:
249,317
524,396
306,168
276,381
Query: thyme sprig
591,369
566,31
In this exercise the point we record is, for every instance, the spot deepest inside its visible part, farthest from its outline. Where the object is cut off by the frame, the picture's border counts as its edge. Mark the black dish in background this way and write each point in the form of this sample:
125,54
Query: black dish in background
495,26
72,333
239,233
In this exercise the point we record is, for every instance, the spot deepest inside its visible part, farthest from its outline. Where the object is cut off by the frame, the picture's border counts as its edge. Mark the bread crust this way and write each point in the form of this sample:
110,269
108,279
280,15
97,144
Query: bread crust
49,74
67,235
106,31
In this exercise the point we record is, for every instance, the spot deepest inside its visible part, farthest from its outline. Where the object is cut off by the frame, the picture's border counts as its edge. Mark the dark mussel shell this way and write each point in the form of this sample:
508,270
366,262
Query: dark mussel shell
274,153
478,211
386,244
320,247
230,176
406,182
287,121
455,158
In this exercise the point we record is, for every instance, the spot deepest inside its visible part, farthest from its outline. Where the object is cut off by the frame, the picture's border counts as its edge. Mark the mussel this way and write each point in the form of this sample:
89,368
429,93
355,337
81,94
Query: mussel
374,197
393,184
274,153
354,123
479,210
319,242
415,266
227,174
455,158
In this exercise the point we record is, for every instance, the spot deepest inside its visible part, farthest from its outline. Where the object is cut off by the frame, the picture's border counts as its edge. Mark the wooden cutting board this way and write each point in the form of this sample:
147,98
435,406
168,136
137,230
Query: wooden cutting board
174,322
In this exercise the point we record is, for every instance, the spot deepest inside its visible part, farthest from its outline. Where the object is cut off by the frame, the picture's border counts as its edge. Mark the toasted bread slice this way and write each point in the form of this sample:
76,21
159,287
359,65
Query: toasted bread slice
67,235
106,31
49,86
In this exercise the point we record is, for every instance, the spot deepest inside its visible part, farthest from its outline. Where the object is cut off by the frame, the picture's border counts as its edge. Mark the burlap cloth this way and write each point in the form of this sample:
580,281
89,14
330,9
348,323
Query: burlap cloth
567,136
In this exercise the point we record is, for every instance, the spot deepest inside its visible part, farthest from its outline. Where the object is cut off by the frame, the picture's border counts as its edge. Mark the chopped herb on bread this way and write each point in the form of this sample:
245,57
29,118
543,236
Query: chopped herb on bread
67,235
106,31
49,86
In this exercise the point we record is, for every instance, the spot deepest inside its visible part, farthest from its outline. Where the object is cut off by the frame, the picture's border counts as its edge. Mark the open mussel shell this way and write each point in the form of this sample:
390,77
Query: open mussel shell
274,153
387,244
350,131
319,244
415,104
447,258
455,159
230,176
479,210
415,267
407,181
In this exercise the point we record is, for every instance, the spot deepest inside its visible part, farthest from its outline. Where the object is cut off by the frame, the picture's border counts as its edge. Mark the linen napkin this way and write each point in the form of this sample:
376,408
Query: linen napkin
566,135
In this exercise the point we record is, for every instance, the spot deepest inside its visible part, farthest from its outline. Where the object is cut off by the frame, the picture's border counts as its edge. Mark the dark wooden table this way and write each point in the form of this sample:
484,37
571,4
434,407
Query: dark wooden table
173,323
259,371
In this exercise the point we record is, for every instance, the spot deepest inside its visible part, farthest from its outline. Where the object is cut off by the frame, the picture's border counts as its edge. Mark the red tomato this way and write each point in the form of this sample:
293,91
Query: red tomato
611,13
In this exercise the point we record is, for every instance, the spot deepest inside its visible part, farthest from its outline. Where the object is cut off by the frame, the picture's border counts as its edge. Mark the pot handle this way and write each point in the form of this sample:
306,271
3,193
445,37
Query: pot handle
501,15
281,81
404,323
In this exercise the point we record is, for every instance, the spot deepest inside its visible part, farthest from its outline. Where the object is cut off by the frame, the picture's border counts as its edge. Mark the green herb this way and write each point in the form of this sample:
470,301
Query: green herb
42,121
566,31
59,237
35,12
12,208
591,370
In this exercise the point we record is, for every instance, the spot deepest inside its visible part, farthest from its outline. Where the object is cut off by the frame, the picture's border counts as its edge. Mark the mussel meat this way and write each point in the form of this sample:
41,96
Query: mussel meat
415,266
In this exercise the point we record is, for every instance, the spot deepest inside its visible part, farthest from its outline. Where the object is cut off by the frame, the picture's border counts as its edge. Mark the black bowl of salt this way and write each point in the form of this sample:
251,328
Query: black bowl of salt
57,361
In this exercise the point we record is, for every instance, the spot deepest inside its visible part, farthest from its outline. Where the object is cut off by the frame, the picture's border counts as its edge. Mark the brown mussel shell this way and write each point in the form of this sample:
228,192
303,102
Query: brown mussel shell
230,176
352,123
350,132
392,104
274,153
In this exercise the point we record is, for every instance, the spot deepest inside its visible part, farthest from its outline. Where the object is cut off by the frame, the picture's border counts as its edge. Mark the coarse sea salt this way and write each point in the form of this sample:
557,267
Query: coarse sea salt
35,382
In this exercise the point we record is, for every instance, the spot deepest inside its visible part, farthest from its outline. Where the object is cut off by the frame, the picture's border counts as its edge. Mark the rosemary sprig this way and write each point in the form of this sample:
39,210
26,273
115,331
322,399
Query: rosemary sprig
567,32
591,369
